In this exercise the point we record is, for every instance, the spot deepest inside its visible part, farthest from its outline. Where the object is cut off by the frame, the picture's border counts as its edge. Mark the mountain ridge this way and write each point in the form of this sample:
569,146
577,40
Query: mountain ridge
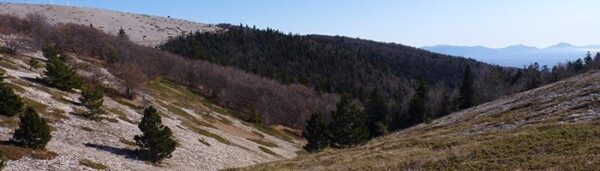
142,29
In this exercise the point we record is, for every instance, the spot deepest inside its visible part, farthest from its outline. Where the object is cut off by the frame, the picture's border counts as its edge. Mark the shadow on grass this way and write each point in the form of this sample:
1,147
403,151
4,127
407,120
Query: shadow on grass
37,80
46,84
128,153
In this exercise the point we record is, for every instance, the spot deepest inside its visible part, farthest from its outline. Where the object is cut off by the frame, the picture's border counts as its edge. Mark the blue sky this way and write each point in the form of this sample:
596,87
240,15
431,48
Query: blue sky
494,23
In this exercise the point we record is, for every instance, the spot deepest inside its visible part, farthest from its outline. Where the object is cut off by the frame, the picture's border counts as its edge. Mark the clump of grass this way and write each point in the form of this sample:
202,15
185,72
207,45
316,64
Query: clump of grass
15,87
109,119
214,107
92,164
258,134
209,134
127,142
296,135
225,120
11,152
87,129
177,110
204,142
273,132
58,95
126,119
268,151
189,120
180,95
301,152
55,115
128,103
121,115
39,107
9,64
10,122
263,142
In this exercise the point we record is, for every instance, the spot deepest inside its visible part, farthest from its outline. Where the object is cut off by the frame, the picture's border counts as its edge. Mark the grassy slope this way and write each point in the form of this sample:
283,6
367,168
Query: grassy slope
192,118
552,127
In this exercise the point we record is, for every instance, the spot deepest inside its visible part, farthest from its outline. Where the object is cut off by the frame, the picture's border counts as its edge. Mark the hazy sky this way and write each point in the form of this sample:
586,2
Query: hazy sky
494,23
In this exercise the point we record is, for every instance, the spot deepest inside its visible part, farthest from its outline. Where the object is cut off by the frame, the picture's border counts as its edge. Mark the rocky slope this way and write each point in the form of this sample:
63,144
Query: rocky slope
208,137
554,127
141,29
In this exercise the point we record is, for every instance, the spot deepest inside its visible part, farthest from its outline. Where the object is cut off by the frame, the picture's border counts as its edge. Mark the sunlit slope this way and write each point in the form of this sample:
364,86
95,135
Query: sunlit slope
553,127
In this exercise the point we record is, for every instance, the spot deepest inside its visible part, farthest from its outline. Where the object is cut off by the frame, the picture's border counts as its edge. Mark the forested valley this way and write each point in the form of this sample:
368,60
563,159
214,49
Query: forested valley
397,85
380,87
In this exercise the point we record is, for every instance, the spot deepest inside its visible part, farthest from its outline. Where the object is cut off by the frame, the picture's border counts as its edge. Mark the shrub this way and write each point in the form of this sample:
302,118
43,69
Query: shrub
316,133
58,73
34,64
156,142
348,125
33,131
10,103
92,99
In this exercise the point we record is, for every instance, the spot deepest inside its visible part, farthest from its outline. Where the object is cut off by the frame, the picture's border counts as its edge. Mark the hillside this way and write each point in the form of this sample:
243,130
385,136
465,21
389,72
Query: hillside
327,63
208,137
142,29
336,64
554,127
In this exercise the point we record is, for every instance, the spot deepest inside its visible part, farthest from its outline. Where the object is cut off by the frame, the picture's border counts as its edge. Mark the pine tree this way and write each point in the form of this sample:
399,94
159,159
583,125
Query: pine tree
377,112
588,58
256,118
577,65
58,73
156,142
417,111
316,133
33,131
2,163
92,99
466,96
122,34
10,103
349,124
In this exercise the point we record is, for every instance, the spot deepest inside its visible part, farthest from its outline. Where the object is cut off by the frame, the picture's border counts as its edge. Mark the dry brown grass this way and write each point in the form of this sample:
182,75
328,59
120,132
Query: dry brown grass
127,142
12,152
555,127
570,147
92,164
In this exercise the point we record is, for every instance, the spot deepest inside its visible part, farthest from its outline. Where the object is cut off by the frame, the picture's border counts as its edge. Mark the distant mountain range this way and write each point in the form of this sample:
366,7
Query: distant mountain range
518,55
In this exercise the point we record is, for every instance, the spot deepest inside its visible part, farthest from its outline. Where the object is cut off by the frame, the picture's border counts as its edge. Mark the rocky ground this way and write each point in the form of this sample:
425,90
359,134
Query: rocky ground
142,29
208,137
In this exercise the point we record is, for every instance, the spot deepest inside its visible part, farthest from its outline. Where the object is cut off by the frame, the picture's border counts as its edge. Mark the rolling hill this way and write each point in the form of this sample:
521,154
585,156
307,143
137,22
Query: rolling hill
209,137
220,115
142,29
554,127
